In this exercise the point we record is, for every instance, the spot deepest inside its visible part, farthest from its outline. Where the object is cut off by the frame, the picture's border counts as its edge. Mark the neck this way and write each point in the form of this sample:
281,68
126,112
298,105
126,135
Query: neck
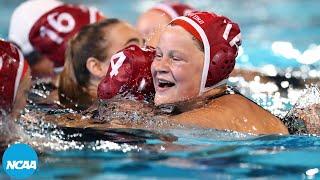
196,102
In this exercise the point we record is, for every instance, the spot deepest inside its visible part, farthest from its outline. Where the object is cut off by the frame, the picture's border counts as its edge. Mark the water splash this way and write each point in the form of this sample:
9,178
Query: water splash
304,117
47,137
310,97
132,113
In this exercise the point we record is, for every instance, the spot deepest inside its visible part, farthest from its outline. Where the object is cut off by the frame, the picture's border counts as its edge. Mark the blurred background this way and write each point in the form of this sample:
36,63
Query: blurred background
278,36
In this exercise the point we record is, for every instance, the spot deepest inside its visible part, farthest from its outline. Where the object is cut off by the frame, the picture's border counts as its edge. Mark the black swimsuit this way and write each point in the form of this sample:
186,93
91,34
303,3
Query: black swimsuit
173,110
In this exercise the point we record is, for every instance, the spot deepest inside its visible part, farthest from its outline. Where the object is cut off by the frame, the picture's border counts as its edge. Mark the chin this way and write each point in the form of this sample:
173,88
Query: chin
161,100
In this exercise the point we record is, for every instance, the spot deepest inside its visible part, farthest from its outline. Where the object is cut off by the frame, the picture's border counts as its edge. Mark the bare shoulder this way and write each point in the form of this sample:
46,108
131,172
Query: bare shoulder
264,121
233,112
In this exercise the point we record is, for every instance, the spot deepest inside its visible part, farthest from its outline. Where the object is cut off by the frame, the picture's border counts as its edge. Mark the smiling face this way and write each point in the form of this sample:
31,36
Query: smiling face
177,67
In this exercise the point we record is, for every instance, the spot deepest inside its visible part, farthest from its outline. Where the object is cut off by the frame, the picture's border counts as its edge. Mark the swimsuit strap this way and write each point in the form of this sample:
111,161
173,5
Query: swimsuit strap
172,109
229,90
234,90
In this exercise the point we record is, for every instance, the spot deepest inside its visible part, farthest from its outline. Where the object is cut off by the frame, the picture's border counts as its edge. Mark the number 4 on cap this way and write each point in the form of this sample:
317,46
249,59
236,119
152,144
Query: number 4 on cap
115,66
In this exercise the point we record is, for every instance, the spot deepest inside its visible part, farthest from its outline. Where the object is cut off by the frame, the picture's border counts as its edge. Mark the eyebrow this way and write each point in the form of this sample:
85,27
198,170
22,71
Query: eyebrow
158,50
132,40
171,52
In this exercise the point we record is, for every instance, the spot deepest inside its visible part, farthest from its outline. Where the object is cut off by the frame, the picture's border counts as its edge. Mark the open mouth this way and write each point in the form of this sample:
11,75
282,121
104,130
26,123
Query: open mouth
165,84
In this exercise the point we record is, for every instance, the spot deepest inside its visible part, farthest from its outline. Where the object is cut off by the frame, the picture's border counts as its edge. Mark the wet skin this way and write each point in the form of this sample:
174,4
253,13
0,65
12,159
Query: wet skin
177,80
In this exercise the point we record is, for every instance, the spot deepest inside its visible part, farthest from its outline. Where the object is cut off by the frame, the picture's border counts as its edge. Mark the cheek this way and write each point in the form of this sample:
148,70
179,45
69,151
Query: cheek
153,68
188,79
185,73
113,49
106,66
21,99
179,74
25,87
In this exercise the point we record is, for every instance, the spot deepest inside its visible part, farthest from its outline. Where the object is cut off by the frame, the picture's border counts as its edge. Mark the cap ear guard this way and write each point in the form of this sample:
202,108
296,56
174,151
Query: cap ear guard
13,68
221,64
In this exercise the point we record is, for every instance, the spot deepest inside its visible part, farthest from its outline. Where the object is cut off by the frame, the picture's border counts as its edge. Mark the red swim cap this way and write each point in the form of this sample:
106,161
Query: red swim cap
220,37
129,73
13,67
174,9
47,25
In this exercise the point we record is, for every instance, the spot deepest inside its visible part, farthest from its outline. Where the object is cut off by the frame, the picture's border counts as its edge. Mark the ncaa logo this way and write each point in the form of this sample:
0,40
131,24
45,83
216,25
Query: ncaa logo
20,161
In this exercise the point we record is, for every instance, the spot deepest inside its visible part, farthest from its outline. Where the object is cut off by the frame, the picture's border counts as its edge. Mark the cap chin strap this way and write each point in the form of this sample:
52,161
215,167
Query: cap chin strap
221,83
1,63
19,74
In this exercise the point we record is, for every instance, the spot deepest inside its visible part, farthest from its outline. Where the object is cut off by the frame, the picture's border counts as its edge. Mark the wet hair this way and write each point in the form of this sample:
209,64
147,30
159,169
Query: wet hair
199,44
91,41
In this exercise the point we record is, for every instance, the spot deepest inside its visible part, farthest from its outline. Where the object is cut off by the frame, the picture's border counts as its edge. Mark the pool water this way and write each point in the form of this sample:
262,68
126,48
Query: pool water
175,153
196,154
278,36
269,157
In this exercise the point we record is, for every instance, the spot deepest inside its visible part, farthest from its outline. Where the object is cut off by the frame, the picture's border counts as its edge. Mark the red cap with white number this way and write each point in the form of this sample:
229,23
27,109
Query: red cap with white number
13,68
220,37
47,25
129,73
174,9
